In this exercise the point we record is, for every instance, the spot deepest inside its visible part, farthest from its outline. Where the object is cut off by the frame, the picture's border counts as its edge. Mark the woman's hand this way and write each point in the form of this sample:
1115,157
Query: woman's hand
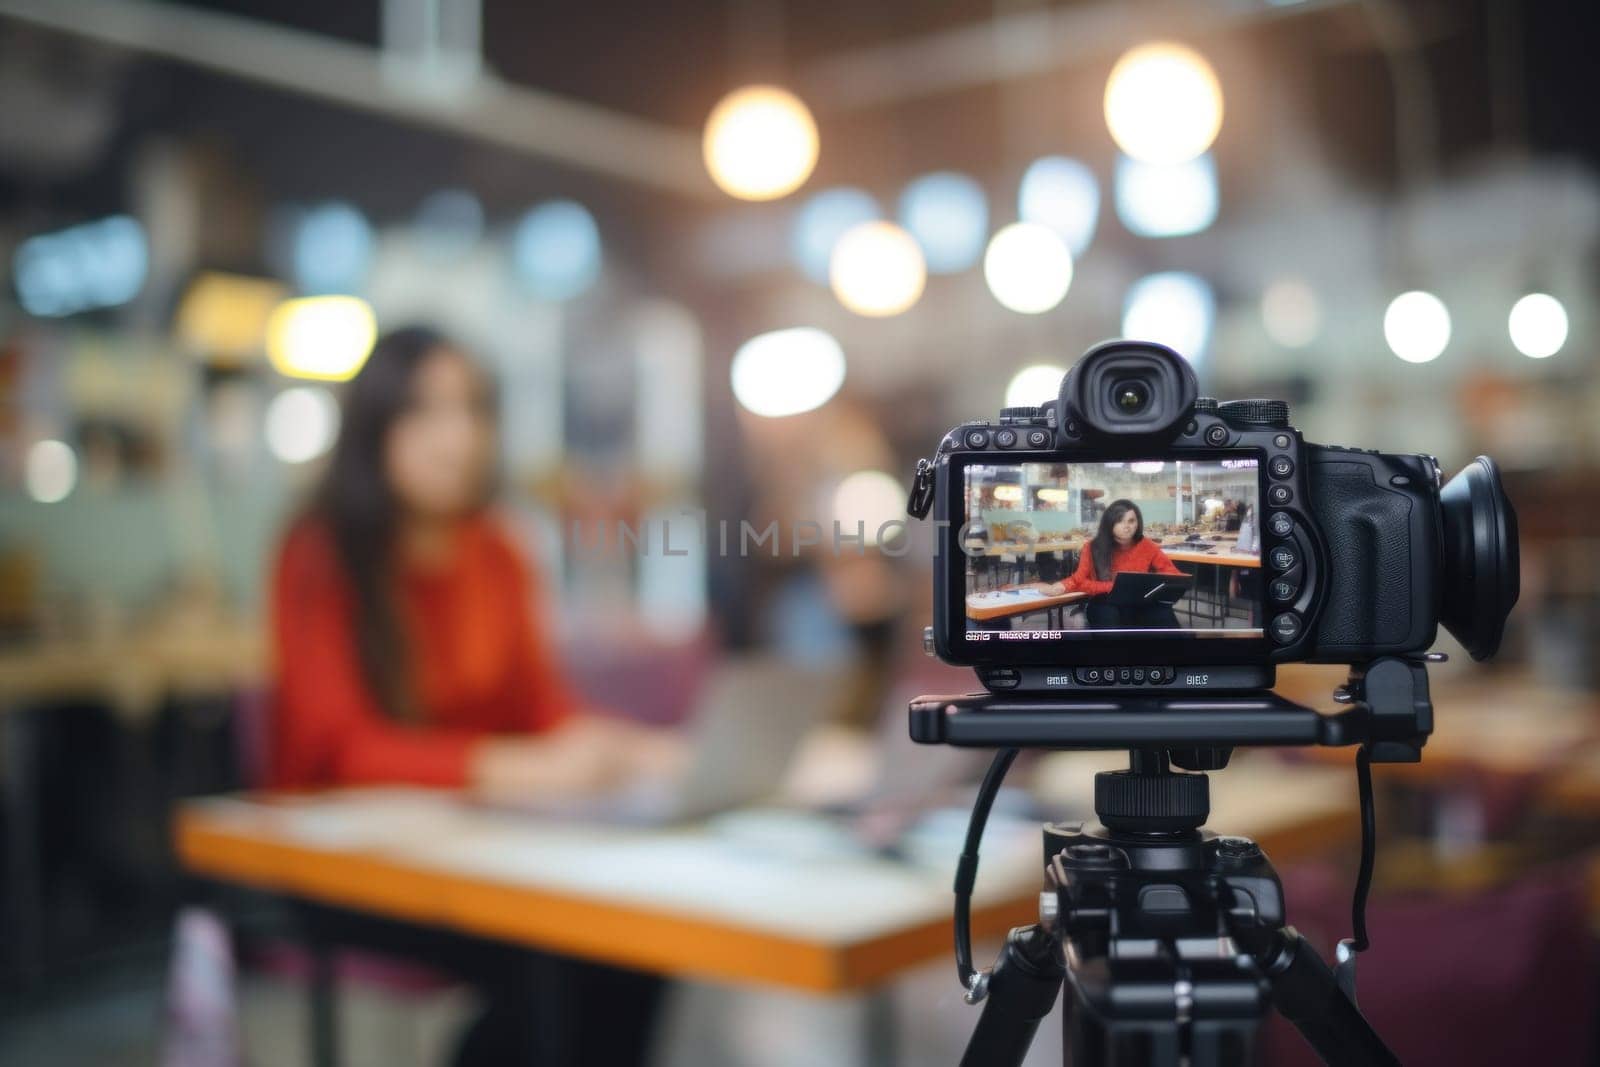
640,751
591,754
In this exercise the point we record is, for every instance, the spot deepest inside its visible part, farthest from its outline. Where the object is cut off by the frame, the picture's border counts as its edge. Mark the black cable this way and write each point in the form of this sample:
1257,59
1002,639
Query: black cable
1369,846
967,868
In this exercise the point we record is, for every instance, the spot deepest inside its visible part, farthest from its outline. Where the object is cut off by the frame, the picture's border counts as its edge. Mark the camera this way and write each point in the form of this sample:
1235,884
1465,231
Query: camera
1132,534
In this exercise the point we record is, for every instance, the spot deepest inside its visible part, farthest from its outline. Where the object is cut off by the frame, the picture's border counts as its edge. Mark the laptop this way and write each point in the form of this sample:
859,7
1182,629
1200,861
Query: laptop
749,724
1133,590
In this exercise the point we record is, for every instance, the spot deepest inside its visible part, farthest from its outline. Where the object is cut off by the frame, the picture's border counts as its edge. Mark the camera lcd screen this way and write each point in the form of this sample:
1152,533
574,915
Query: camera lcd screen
1096,550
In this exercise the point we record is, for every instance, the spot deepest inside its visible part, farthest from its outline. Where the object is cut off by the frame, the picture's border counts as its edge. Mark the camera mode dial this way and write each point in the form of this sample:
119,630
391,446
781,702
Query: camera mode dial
1274,413
1021,415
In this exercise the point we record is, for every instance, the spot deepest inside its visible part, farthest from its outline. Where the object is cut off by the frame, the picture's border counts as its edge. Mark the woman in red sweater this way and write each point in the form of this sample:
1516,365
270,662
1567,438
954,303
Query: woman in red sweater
1119,545
408,650
408,644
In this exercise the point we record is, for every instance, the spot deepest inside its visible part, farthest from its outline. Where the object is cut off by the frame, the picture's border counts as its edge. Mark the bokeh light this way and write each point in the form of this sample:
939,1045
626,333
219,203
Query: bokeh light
786,372
1291,312
877,270
1538,325
760,143
1166,200
1028,268
333,248
301,423
823,219
1173,308
1417,326
95,265
50,471
555,250
1163,103
871,498
327,338
223,317
1062,194
949,217
1031,386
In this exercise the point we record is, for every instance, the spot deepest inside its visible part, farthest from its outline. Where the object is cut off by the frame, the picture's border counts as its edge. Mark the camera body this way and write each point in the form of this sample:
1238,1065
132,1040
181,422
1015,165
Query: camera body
1338,555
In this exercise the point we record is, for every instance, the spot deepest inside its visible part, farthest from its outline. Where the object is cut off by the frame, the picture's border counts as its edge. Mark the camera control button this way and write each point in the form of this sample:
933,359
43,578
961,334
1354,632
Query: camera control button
1280,524
1006,438
1282,440
1280,494
1282,558
1216,434
1286,586
1286,627
1038,438
1138,676
977,438
1002,678
1088,675
1125,675
1281,466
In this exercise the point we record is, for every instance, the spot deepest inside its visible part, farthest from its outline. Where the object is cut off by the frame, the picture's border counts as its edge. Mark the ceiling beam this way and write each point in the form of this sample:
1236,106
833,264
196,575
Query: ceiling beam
484,108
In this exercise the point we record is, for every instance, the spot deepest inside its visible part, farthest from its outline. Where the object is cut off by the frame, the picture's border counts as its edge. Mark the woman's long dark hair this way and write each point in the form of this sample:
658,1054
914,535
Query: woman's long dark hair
1105,542
357,506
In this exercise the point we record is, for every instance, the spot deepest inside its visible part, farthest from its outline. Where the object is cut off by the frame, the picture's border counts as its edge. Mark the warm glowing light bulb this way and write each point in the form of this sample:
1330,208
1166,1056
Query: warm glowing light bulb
1538,325
1417,326
1163,103
1031,386
877,270
1028,267
760,143
786,372
326,338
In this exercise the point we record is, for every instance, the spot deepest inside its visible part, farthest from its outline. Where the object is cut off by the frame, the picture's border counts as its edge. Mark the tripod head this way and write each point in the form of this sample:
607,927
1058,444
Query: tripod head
1171,938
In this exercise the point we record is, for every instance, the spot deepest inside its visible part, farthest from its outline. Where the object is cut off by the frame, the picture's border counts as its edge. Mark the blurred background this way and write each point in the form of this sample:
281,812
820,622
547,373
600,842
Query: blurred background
708,301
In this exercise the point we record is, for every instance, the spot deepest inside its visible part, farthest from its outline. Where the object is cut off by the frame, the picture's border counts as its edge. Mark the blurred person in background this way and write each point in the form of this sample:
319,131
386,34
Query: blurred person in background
408,650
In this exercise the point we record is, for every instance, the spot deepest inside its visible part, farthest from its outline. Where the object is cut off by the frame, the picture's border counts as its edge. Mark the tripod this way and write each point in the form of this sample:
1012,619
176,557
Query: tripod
1171,940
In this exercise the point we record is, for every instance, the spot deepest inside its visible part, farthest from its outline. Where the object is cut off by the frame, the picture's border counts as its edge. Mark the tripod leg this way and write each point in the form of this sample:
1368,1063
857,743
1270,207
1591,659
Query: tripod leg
1306,992
1022,989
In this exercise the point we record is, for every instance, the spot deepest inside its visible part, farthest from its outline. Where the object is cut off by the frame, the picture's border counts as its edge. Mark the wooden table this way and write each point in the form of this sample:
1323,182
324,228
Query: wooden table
1004,603
1218,560
1225,559
717,901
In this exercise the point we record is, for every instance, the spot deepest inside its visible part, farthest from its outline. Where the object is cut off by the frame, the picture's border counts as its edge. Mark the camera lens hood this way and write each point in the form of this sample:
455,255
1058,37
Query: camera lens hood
1163,380
1482,563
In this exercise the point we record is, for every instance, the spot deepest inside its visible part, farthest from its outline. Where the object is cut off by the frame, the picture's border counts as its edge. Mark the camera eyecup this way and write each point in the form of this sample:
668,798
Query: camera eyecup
1482,562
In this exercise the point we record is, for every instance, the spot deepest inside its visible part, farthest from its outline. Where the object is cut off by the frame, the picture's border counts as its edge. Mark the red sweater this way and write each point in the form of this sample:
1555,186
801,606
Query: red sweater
479,663
1141,557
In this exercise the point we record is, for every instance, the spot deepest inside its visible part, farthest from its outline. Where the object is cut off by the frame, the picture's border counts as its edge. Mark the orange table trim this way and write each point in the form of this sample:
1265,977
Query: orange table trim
660,941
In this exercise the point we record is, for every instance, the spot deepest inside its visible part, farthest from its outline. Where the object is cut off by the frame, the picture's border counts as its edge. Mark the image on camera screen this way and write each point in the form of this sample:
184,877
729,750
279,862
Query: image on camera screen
1136,549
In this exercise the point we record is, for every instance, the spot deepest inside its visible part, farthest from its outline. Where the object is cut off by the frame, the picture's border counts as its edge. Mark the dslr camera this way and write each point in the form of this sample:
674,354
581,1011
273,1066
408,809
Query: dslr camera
1132,534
